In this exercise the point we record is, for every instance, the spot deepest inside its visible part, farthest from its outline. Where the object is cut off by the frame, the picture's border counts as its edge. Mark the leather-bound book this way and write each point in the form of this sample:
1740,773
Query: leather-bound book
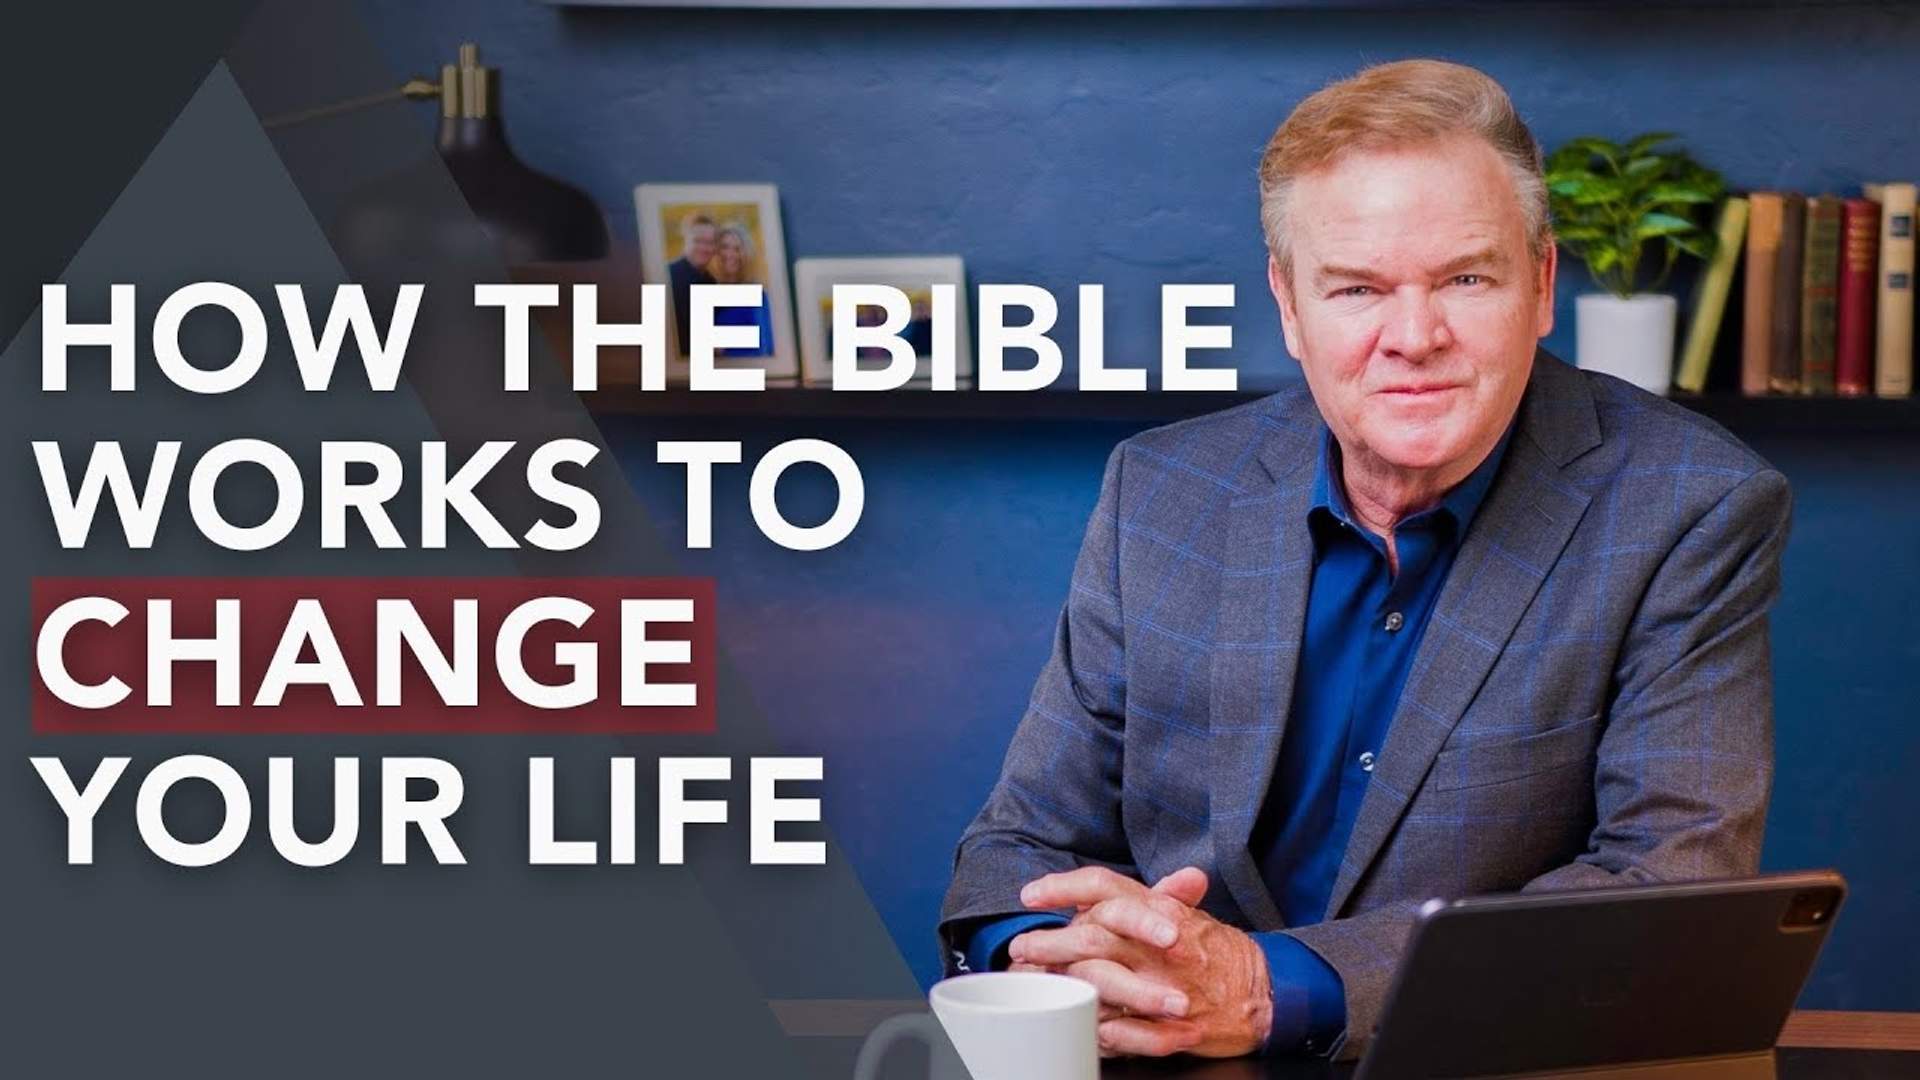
1817,296
1858,292
1783,356
1764,209
1893,356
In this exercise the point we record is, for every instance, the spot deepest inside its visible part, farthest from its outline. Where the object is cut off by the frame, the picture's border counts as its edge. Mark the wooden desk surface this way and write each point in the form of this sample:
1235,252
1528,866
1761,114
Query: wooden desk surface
1853,1030
1792,1063
843,1018
1815,1045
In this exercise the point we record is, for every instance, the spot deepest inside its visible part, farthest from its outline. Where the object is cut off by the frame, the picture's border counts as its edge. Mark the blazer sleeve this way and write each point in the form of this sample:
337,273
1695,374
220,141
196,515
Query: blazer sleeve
1056,805
1685,766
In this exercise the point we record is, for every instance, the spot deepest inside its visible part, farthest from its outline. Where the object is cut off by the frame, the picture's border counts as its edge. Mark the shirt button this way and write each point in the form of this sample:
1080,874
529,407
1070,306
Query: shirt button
1366,761
1395,621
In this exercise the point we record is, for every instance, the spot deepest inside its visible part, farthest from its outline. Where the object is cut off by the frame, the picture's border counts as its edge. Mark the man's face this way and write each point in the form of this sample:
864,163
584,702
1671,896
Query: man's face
1414,306
700,245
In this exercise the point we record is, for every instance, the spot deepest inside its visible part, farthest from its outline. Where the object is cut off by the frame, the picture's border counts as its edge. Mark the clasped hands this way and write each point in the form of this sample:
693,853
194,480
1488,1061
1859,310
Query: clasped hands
1171,977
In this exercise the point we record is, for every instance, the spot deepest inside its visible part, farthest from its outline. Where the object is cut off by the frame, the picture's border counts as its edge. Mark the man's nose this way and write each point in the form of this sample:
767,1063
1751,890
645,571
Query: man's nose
1416,325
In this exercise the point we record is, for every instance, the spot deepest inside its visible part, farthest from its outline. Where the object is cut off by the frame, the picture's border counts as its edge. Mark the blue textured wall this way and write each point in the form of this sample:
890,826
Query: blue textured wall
1119,148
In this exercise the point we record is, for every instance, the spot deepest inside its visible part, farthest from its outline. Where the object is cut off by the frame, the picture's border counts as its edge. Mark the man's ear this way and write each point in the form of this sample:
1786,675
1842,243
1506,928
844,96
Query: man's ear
1282,290
1549,268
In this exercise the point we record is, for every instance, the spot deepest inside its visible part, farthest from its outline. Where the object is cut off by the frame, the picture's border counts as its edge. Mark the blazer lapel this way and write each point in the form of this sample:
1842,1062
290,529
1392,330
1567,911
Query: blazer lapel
1514,540
1256,645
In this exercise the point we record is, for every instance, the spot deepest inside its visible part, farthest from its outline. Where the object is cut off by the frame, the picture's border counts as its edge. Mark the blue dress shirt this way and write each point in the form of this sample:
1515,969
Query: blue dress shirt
1363,626
1362,629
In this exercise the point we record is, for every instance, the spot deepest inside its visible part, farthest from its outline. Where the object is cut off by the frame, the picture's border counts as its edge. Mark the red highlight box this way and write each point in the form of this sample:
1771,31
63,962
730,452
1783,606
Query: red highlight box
94,651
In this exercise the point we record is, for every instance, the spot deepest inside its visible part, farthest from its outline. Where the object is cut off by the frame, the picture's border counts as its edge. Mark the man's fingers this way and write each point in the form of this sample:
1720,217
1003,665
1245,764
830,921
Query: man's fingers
1080,888
1187,885
1147,1038
1136,919
1065,945
1136,994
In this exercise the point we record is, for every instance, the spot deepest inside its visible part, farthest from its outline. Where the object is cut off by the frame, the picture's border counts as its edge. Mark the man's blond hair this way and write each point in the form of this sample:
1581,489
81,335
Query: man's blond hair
699,219
1396,105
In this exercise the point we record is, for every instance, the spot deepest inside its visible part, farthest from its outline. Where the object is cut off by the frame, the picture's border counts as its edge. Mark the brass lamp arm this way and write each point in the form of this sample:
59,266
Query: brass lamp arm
412,90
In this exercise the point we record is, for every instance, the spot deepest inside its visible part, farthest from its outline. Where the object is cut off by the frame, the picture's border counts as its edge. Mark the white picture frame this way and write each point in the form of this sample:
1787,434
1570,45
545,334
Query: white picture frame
814,279
749,211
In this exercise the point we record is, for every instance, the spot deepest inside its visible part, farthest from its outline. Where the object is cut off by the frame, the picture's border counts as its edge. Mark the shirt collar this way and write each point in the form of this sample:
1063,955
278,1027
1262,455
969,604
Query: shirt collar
1457,506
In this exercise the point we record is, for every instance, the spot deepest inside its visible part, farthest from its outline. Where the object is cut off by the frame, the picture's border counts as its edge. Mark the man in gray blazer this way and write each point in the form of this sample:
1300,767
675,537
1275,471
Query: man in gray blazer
1452,618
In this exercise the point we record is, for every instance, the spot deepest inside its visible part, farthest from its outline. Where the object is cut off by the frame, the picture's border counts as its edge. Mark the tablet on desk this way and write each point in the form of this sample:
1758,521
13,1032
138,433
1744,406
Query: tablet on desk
1683,981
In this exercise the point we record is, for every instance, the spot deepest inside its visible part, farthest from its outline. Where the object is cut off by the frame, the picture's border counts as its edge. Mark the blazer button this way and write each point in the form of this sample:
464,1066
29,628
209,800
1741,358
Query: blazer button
1395,621
1366,761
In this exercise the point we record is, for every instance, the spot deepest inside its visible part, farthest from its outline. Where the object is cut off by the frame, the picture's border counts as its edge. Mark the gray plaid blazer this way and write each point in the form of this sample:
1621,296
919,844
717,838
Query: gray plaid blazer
1591,704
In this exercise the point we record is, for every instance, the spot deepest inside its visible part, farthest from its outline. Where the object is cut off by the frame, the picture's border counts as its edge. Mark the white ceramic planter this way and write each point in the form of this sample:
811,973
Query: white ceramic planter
1630,338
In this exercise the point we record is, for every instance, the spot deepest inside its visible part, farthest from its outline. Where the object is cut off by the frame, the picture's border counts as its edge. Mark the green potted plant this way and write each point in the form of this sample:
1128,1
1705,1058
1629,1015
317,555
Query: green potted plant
1619,209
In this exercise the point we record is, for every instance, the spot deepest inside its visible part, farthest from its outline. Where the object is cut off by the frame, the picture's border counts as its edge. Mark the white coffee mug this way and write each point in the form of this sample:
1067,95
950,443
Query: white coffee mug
942,1062
1006,1025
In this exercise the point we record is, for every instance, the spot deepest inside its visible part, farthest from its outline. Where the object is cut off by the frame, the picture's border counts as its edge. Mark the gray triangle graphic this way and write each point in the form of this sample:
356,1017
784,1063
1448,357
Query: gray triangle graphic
494,968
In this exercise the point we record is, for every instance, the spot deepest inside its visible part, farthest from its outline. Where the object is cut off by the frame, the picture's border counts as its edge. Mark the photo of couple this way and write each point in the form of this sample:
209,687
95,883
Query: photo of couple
717,244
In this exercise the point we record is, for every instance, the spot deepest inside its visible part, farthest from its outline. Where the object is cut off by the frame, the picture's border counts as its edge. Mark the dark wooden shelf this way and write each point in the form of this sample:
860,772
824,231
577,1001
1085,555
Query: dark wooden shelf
1148,5
1835,417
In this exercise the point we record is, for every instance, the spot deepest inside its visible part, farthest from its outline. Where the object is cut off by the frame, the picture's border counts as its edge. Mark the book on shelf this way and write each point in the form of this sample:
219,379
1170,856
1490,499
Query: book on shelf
1856,295
1783,347
1764,219
1828,296
1710,296
1893,359
1817,294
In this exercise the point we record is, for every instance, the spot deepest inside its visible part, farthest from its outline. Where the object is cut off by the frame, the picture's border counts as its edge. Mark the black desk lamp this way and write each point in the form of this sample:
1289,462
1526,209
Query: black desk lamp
533,217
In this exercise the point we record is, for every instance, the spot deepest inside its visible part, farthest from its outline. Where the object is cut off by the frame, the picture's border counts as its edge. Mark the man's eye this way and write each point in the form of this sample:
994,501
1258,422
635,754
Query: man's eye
1355,290
1469,279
